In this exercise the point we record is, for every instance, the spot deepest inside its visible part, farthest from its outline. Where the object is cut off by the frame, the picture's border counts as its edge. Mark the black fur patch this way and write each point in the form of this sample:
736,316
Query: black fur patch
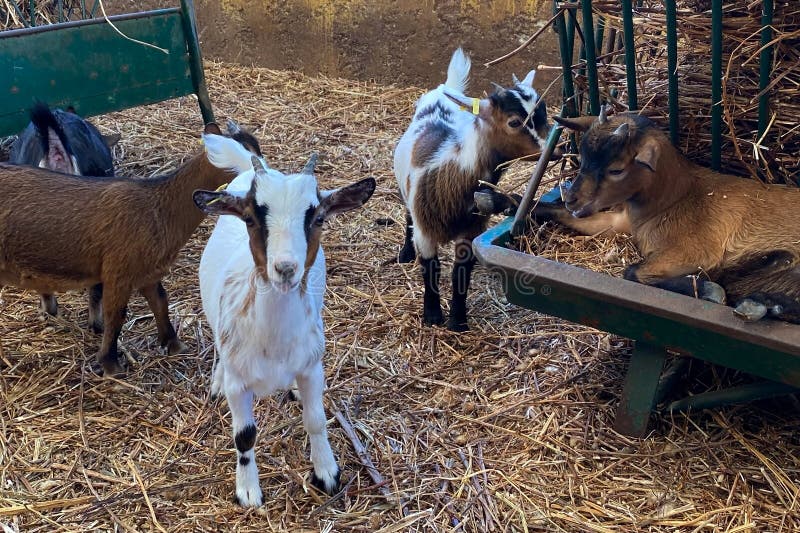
308,220
317,482
246,438
162,293
248,140
244,460
438,108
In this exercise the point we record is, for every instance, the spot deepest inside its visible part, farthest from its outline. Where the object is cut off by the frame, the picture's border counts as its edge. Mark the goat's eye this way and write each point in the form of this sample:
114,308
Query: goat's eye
248,220
615,171
514,123
319,220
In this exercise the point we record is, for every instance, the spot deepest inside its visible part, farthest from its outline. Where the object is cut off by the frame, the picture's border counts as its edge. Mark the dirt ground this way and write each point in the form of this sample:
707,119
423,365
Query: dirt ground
400,42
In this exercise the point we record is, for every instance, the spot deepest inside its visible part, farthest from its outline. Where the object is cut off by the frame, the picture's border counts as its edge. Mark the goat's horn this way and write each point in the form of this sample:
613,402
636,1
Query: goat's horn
622,130
258,165
312,162
602,118
514,78
499,88
233,127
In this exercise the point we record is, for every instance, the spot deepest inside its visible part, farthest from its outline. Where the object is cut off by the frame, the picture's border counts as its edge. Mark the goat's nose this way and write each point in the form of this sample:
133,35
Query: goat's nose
568,191
286,269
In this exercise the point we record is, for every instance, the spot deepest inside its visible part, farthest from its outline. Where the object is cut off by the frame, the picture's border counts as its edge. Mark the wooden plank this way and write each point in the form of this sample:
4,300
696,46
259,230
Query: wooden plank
88,65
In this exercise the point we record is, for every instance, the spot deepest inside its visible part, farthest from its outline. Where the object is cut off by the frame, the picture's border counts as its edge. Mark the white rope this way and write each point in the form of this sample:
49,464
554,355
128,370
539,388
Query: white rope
103,9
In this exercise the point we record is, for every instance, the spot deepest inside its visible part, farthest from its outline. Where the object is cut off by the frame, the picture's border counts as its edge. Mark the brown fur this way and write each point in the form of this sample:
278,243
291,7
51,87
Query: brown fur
686,218
443,204
63,232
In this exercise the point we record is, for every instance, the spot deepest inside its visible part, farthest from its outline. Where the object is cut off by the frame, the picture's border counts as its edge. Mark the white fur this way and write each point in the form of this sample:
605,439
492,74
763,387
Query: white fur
279,337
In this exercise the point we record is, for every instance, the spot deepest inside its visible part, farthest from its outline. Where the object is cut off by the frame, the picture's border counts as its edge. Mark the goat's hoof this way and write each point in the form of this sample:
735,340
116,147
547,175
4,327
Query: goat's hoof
750,310
249,498
293,395
406,256
457,325
433,319
713,292
111,368
330,485
175,346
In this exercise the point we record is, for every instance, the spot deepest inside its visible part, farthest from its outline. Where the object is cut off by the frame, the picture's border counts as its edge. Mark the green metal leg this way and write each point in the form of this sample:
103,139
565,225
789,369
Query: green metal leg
639,391
741,394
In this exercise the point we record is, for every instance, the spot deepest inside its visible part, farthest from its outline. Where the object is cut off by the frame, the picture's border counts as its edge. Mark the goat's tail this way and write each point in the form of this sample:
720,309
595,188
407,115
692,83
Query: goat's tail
58,154
224,152
458,71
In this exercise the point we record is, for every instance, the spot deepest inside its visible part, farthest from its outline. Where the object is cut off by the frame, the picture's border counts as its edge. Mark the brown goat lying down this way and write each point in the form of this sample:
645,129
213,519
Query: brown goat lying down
62,232
684,218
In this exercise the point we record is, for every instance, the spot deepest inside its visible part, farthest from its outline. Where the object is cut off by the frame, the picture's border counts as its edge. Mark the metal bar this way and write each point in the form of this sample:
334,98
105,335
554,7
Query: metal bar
741,394
32,6
591,57
568,89
20,14
598,41
765,65
61,10
672,71
196,60
716,83
639,390
519,226
630,54
671,375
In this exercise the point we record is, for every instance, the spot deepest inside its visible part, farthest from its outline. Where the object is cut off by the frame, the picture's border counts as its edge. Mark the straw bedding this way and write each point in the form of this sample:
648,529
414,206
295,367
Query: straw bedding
505,428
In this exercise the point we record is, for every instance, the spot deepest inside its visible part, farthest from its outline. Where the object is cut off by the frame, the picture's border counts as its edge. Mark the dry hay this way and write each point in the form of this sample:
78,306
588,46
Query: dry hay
504,428
776,157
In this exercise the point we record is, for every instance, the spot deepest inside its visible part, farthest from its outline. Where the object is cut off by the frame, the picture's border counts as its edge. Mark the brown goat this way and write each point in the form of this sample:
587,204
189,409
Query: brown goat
685,218
62,232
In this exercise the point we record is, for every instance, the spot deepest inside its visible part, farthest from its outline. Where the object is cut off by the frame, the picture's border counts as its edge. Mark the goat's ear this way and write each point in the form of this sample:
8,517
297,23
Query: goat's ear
112,139
213,128
528,79
576,123
469,103
347,198
648,154
218,202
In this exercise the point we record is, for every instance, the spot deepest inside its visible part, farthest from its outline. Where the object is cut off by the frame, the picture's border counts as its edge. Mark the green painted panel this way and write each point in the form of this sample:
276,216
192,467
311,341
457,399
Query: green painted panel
661,319
92,67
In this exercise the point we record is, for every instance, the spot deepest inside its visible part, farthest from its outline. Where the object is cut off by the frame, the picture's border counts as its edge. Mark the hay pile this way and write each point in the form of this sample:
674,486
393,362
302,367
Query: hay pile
504,428
776,157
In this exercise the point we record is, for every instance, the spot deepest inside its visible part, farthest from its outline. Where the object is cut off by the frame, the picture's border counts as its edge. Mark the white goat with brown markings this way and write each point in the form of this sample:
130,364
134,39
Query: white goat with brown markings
262,282
439,163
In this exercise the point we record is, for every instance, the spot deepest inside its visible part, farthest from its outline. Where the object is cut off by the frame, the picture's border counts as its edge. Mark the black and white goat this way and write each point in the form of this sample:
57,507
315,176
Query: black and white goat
63,141
262,282
453,143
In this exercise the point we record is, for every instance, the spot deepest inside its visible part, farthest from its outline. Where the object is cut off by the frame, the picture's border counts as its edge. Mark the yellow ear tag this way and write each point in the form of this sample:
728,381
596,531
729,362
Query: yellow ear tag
475,106
218,189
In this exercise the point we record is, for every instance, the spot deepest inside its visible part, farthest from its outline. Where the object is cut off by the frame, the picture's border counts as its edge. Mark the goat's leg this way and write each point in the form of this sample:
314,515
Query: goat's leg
429,262
248,491
758,305
408,253
115,300
156,298
462,271
96,308
326,471
690,285
606,223
49,304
